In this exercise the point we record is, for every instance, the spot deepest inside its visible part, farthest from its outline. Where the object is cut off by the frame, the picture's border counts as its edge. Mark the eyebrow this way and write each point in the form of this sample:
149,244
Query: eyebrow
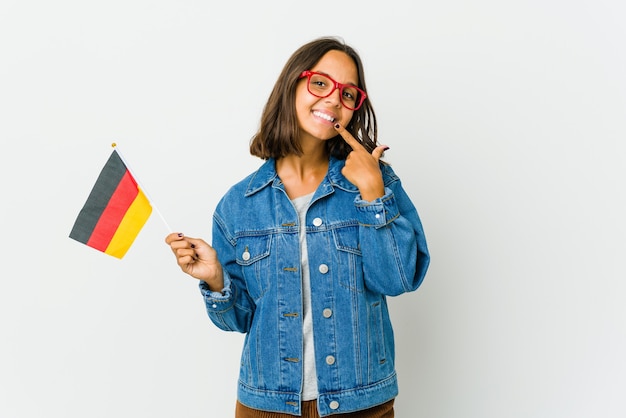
350,83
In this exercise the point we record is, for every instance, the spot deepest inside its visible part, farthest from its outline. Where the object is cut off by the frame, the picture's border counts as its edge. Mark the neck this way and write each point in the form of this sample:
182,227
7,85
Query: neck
302,174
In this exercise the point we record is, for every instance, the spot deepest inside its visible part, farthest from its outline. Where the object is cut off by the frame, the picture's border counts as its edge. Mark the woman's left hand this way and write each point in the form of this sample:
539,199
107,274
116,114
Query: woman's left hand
362,168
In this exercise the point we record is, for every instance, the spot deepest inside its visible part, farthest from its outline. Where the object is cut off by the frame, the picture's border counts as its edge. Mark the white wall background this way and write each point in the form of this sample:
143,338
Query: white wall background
506,121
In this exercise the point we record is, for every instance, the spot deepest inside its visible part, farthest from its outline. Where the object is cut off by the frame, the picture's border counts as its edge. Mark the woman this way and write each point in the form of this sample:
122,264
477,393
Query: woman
306,249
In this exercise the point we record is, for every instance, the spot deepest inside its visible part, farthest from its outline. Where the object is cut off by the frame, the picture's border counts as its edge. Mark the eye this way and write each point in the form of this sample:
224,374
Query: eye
349,94
319,80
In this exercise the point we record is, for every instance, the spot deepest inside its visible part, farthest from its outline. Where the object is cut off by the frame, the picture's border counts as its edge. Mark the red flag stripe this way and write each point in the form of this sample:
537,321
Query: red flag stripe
118,205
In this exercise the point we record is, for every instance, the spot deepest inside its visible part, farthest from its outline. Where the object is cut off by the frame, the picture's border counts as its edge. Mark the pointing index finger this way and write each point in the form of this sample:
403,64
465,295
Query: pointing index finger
347,136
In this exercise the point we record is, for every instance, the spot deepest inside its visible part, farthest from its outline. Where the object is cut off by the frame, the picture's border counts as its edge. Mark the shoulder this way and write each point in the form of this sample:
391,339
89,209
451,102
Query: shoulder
249,185
389,176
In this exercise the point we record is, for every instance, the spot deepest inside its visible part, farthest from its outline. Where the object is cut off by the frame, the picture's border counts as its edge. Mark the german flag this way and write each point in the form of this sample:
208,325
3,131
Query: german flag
115,211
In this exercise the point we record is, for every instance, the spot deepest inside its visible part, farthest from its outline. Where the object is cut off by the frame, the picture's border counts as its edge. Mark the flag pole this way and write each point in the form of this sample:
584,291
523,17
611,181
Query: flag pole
145,192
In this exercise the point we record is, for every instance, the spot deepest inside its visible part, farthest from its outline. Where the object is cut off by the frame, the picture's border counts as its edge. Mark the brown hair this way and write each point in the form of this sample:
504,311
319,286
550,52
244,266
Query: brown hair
278,133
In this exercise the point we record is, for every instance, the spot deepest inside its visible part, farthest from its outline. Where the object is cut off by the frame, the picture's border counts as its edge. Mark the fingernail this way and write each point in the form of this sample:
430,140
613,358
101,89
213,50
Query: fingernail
193,245
386,148
337,126
180,234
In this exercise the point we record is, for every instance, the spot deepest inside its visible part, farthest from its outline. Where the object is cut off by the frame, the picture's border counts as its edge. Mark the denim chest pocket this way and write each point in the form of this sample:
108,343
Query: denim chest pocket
253,257
350,261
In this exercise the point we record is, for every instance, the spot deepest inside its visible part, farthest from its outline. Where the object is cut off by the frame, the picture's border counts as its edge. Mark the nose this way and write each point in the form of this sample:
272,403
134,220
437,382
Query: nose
334,98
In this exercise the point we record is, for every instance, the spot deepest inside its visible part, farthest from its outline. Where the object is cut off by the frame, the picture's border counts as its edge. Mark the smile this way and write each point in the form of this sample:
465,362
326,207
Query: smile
323,116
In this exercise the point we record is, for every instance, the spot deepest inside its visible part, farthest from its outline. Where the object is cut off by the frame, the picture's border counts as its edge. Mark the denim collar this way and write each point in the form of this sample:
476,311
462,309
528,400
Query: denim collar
267,175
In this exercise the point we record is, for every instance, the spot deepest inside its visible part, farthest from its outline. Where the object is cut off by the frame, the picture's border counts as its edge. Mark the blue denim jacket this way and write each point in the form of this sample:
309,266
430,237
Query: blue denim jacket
359,253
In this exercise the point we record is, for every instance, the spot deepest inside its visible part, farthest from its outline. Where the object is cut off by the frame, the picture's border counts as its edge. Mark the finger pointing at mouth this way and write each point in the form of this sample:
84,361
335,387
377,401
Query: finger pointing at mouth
347,136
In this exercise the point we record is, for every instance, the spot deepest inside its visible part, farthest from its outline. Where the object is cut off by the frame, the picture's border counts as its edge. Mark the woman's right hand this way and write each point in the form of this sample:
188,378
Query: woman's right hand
198,259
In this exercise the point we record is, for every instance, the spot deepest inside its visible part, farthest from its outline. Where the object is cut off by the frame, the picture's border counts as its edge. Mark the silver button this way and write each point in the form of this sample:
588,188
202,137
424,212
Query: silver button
333,405
317,221
378,216
245,256
214,306
323,268
330,360
327,313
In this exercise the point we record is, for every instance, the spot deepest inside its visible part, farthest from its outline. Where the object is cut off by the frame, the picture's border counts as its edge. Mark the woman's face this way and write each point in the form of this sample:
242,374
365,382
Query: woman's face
316,116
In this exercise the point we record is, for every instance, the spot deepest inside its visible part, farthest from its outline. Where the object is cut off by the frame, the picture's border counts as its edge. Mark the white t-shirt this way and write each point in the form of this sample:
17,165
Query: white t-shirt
309,381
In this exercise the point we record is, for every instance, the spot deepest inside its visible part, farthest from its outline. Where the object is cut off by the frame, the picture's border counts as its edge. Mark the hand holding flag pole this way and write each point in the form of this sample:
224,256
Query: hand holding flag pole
115,211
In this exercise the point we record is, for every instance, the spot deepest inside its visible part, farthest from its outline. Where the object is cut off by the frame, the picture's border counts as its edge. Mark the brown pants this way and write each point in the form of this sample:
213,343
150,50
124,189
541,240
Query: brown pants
309,410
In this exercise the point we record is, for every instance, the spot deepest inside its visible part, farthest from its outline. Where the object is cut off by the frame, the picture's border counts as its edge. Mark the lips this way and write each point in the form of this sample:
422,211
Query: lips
324,116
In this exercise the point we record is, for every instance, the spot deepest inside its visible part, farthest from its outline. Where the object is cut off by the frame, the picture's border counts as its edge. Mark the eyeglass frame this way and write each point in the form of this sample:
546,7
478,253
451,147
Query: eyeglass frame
337,86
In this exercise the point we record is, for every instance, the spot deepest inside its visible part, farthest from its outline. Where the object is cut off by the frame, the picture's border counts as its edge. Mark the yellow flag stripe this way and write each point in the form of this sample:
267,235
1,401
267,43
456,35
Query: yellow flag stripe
134,219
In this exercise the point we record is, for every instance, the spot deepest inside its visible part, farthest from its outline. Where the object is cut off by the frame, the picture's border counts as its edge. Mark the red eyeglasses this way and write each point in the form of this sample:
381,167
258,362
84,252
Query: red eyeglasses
321,85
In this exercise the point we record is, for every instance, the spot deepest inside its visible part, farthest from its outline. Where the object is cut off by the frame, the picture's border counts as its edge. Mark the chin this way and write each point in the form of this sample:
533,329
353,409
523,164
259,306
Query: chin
327,137
322,135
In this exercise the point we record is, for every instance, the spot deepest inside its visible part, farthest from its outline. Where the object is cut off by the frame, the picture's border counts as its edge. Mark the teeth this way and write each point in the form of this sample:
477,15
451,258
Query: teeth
324,116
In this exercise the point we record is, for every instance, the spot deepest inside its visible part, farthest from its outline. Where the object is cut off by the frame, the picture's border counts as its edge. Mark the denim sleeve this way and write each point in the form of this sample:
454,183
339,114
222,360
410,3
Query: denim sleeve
232,309
393,245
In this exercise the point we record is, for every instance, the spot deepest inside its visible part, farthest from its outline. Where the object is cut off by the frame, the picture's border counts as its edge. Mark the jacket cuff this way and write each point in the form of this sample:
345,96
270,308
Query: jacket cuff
218,301
378,212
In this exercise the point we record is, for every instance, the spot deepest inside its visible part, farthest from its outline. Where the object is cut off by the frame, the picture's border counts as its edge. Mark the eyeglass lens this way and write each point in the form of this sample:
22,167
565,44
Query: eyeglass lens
322,86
